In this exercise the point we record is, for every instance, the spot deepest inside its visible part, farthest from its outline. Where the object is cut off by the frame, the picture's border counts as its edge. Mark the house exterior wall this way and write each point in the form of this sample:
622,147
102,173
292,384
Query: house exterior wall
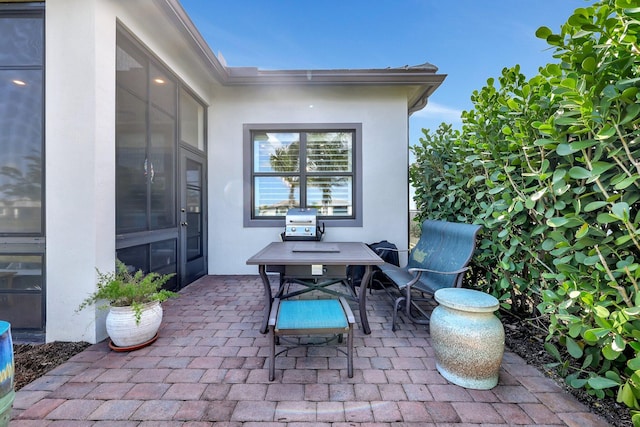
80,151
80,146
383,114
79,163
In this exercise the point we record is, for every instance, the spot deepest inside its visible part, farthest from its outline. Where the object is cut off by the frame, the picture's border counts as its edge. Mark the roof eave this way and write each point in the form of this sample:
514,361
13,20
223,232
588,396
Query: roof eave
422,83
185,25
422,80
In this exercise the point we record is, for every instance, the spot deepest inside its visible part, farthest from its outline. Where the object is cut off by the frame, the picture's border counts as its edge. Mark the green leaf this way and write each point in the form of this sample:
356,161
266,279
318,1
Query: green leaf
610,91
588,360
620,210
622,240
578,172
553,351
606,132
576,382
594,205
565,150
557,222
599,383
538,194
626,182
595,334
543,32
605,218
598,168
573,348
626,396
575,330
632,112
634,364
566,121
613,376
632,311
582,231
568,83
601,311
548,244
618,344
589,64
579,145
591,260
609,353
553,69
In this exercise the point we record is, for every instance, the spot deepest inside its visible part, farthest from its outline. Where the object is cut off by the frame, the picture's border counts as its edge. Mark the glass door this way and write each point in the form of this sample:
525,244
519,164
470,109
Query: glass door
193,218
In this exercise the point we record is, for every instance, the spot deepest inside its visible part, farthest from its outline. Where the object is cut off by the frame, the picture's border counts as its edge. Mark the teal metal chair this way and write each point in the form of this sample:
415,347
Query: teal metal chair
438,260
306,317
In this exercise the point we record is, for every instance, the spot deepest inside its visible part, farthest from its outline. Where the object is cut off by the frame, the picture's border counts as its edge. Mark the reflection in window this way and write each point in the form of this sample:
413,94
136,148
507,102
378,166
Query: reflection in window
21,164
21,124
146,103
21,290
194,210
191,121
159,257
131,180
21,272
303,169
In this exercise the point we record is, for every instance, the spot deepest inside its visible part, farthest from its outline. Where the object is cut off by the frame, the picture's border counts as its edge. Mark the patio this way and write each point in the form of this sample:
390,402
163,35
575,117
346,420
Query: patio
209,367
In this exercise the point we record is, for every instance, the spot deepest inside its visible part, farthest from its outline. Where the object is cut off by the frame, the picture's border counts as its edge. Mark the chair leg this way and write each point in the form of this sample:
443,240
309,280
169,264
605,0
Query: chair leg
394,322
272,354
350,352
407,302
407,310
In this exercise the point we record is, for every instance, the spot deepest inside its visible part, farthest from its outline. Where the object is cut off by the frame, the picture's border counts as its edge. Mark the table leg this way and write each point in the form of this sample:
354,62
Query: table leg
262,269
364,285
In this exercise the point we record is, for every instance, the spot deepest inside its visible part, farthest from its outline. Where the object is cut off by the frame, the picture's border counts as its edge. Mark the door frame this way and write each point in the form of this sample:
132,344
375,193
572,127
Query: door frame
184,276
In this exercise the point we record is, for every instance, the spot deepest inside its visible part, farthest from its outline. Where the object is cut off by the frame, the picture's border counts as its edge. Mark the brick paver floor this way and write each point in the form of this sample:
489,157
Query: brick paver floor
209,367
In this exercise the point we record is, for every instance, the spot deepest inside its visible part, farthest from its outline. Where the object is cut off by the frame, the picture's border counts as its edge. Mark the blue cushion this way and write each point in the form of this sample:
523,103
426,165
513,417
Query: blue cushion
311,314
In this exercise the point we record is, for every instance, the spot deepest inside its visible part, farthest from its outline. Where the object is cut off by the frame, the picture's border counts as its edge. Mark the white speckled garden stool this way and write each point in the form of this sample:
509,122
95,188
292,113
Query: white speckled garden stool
467,337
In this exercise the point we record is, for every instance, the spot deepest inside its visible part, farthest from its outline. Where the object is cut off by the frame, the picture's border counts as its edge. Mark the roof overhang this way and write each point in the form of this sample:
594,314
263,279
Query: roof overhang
421,81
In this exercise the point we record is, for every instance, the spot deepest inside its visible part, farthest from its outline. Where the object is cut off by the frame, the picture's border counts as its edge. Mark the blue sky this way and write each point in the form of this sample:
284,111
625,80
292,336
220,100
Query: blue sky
469,40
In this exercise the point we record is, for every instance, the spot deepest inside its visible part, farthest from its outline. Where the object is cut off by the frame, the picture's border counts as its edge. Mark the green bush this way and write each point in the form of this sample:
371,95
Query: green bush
550,166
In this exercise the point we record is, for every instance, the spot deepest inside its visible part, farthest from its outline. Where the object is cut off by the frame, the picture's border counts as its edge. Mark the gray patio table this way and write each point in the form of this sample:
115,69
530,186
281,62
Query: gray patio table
316,266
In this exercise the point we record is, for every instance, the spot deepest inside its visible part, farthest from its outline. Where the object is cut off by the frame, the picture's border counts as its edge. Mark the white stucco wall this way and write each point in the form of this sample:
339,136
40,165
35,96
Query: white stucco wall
383,114
80,151
80,146
79,163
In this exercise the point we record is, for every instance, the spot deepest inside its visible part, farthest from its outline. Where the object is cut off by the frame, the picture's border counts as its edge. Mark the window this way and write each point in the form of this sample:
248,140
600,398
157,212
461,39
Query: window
306,166
191,120
22,231
158,121
145,142
21,120
21,281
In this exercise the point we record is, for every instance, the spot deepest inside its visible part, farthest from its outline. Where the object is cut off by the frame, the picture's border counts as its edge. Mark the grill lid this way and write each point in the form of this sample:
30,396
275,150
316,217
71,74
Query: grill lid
302,224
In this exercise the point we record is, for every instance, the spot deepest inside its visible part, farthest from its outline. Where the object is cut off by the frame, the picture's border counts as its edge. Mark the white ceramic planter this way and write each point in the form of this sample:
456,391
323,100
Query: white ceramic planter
467,338
122,328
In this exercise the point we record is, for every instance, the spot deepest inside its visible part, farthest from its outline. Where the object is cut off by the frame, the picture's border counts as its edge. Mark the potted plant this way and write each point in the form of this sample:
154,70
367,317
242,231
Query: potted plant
134,306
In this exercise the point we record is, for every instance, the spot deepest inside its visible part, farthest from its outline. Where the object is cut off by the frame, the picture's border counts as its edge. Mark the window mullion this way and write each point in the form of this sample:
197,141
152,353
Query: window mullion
303,170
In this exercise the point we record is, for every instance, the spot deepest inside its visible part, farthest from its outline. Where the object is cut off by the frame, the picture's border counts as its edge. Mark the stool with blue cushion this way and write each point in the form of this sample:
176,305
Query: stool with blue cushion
302,317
